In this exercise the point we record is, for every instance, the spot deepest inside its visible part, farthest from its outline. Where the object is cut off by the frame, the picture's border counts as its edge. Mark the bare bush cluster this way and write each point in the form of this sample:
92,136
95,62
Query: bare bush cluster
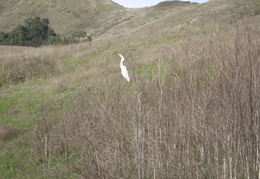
198,117
21,69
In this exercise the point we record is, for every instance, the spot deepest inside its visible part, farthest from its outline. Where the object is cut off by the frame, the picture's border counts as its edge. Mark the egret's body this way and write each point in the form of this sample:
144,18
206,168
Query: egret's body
123,68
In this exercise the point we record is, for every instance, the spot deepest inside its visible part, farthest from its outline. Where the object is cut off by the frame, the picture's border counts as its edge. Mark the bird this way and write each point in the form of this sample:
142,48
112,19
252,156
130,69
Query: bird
123,68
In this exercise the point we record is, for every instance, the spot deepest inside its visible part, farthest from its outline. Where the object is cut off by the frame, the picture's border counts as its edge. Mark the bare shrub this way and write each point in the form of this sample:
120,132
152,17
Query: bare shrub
198,117
14,71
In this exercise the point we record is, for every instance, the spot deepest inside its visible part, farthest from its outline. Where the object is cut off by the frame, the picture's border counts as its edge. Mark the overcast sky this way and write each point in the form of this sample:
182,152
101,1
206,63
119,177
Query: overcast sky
144,3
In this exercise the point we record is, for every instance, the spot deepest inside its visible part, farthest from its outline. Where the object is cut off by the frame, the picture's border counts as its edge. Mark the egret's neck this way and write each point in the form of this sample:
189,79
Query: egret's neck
122,59
121,63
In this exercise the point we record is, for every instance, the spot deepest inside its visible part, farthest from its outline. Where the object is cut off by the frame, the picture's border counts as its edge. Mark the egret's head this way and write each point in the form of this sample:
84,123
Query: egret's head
121,55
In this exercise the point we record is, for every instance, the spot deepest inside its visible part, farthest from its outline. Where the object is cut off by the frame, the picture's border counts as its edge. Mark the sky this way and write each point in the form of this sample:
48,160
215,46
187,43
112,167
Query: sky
144,3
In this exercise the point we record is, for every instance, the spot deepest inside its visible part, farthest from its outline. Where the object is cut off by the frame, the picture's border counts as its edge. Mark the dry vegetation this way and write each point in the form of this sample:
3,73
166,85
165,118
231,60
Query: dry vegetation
191,109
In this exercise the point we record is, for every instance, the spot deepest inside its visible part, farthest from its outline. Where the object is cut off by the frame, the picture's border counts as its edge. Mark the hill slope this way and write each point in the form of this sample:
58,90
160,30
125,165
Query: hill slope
95,17
64,16
190,110
99,17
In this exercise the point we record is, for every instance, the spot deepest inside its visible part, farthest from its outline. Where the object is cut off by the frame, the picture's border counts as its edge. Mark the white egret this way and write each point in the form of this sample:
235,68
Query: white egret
123,68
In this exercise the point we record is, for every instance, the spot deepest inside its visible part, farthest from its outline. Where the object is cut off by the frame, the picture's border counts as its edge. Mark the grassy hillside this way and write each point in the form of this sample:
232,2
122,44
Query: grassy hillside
190,110
64,16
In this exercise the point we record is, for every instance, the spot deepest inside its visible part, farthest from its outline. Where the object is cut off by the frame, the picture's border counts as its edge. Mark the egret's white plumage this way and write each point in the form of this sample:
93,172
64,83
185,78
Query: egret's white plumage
123,68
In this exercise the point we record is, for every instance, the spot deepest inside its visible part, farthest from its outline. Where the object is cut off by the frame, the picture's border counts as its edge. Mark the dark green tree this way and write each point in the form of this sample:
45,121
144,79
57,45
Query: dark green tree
18,36
3,37
38,31
53,40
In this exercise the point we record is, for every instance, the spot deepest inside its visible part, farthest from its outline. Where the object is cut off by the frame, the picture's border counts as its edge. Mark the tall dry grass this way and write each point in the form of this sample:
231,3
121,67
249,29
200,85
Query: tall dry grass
196,117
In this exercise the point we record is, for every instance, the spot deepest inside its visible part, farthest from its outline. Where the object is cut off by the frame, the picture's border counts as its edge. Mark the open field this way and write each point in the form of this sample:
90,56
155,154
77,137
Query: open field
190,110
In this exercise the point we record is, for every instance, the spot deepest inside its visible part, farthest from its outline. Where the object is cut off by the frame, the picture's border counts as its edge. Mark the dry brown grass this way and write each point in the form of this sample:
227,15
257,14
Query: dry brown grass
195,114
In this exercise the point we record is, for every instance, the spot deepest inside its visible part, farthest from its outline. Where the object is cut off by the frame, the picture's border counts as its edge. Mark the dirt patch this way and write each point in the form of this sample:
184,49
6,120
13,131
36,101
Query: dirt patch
7,133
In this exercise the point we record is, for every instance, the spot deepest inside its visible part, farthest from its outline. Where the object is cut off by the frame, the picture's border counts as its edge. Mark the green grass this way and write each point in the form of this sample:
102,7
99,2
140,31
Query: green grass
73,63
25,103
14,162
147,71
21,102
70,64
